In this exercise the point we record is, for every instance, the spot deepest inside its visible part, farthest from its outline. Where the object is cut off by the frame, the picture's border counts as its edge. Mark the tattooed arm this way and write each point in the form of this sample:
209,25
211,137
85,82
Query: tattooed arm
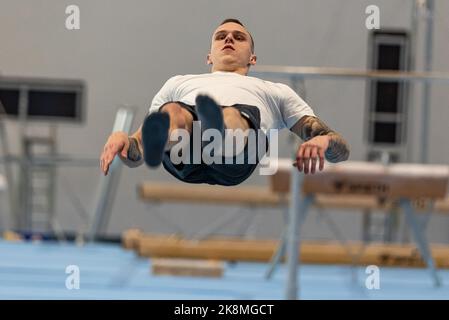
320,141
129,149
134,157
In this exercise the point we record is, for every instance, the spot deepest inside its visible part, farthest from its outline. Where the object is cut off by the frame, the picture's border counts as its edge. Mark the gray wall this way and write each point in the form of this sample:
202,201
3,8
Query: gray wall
125,50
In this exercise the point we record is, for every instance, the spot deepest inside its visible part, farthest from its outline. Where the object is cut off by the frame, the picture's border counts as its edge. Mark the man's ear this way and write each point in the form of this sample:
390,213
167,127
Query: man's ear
208,60
253,59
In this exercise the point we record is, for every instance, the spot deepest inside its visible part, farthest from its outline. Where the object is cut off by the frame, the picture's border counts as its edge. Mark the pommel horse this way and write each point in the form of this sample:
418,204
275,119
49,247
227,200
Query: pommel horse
403,183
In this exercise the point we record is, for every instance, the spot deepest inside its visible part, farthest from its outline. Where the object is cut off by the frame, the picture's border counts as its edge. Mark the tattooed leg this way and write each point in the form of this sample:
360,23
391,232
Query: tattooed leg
308,127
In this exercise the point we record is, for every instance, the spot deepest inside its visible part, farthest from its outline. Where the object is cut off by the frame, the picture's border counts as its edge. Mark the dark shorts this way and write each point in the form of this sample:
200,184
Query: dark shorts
221,174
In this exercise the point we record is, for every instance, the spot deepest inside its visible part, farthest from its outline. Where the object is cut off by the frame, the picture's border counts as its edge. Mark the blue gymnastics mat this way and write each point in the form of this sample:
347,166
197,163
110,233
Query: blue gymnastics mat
106,271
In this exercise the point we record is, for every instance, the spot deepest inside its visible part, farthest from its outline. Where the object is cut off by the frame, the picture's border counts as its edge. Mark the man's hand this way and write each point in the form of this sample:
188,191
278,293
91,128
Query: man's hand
321,142
308,153
117,144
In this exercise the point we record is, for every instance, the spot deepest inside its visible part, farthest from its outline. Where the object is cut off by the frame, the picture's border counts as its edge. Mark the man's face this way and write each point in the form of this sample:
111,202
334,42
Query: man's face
231,49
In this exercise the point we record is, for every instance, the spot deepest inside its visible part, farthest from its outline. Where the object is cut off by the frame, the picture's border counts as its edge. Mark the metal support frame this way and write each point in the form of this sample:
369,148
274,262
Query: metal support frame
420,238
231,217
293,239
8,170
247,228
218,224
154,209
291,234
428,53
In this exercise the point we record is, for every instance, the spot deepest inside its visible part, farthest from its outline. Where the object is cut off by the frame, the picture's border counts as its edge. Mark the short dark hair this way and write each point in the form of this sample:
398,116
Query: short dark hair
233,20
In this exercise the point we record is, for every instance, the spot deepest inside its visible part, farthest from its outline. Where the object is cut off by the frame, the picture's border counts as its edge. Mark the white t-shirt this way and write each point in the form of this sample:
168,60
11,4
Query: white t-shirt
279,105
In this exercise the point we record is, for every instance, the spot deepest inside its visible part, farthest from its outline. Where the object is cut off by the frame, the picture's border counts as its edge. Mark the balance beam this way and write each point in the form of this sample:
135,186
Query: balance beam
312,252
247,196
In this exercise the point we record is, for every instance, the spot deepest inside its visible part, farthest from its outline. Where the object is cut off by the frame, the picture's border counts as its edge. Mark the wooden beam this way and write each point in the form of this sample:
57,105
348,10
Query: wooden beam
313,252
9,235
442,205
256,196
187,267
130,238
362,202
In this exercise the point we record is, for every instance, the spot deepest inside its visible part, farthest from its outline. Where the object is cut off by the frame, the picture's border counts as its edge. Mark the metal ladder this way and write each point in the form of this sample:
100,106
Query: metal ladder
37,185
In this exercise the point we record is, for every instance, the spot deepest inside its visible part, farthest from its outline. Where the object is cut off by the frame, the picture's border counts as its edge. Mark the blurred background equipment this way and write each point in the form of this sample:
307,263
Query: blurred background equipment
51,102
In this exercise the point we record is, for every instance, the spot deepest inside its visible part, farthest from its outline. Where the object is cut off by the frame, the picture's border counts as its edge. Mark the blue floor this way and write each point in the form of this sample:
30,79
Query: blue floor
37,271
